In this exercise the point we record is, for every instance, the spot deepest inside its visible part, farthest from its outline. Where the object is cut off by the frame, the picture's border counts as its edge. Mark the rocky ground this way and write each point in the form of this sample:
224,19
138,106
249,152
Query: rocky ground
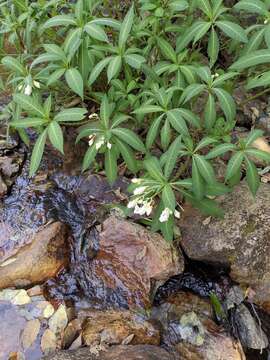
80,281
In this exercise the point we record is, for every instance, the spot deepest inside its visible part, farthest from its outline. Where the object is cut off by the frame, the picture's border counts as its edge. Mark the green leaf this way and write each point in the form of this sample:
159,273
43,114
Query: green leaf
171,157
210,112
105,111
260,154
254,41
29,103
27,122
221,79
191,91
114,67
190,117
13,64
204,73
184,39
167,50
56,75
252,6
89,157
267,36
205,168
260,80
165,135
135,60
55,50
153,132
153,167
168,197
130,138
227,103
96,32
254,134
177,121
202,31
127,155
252,59
216,189
178,5
208,207
111,165
126,27
252,176
59,20
197,181
107,22
74,81
147,109
98,69
213,47
205,7
234,165
70,115
233,30
37,152
45,58
56,136
219,150
73,41
205,142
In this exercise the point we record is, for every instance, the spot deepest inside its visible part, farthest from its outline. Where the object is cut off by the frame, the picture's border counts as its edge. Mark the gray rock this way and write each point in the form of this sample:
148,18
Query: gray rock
240,240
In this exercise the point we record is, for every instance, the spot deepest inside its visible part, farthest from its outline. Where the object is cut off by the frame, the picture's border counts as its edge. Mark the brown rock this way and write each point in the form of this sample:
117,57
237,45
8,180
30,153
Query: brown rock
122,352
30,333
71,332
131,263
48,342
240,240
35,291
113,327
38,261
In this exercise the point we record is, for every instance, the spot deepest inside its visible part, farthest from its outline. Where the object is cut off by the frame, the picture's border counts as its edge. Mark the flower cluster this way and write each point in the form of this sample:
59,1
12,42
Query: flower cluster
27,89
164,216
100,141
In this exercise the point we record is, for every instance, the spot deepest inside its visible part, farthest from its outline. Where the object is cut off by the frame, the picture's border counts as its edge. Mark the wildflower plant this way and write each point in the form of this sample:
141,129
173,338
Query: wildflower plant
159,81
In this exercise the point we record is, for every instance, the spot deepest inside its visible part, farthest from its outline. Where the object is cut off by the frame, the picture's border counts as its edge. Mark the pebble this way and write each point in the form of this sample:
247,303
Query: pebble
30,333
16,297
59,320
48,342
35,291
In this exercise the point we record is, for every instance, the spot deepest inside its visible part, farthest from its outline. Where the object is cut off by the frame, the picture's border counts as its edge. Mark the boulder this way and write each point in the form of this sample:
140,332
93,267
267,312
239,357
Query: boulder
38,261
115,327
121,352
189,327
129,265
240,240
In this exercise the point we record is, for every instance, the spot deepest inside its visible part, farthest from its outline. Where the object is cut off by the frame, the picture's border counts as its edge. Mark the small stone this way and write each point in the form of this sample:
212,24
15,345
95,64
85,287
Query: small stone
35,291
48,311
76,343
28,315
48,342
59,320
16,356
71,332
30,333
21,298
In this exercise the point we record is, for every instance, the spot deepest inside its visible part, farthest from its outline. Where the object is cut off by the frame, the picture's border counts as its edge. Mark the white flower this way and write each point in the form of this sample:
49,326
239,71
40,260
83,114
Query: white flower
148,208
109,145
164,216
132,204
265,22
177,214
136,181
139,210
140,190
36,84
100,142
28,90
145,208
91,139
216,75
20,87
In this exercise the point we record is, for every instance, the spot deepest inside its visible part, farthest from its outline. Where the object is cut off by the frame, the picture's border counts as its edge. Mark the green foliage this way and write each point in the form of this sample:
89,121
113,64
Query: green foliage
162,96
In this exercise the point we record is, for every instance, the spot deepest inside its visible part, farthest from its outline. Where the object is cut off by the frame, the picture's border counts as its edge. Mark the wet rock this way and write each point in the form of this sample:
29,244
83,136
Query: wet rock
38,261
188,326
48,342
59,320
249,331
240,240
12,325
131,262
16,297
30,333
123,352
113,327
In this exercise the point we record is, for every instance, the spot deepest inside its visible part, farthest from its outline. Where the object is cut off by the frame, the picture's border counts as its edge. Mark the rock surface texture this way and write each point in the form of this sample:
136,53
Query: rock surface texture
241,240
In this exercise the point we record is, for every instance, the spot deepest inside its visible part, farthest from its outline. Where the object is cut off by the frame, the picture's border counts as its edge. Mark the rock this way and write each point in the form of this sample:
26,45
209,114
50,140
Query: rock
113,327
48,342
12,325
249,331
130,264
38,261
122,352
59,320
16,297
240,240
77,343
46,309
16,356
3,187
30,333
188,326
35,291
71,333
